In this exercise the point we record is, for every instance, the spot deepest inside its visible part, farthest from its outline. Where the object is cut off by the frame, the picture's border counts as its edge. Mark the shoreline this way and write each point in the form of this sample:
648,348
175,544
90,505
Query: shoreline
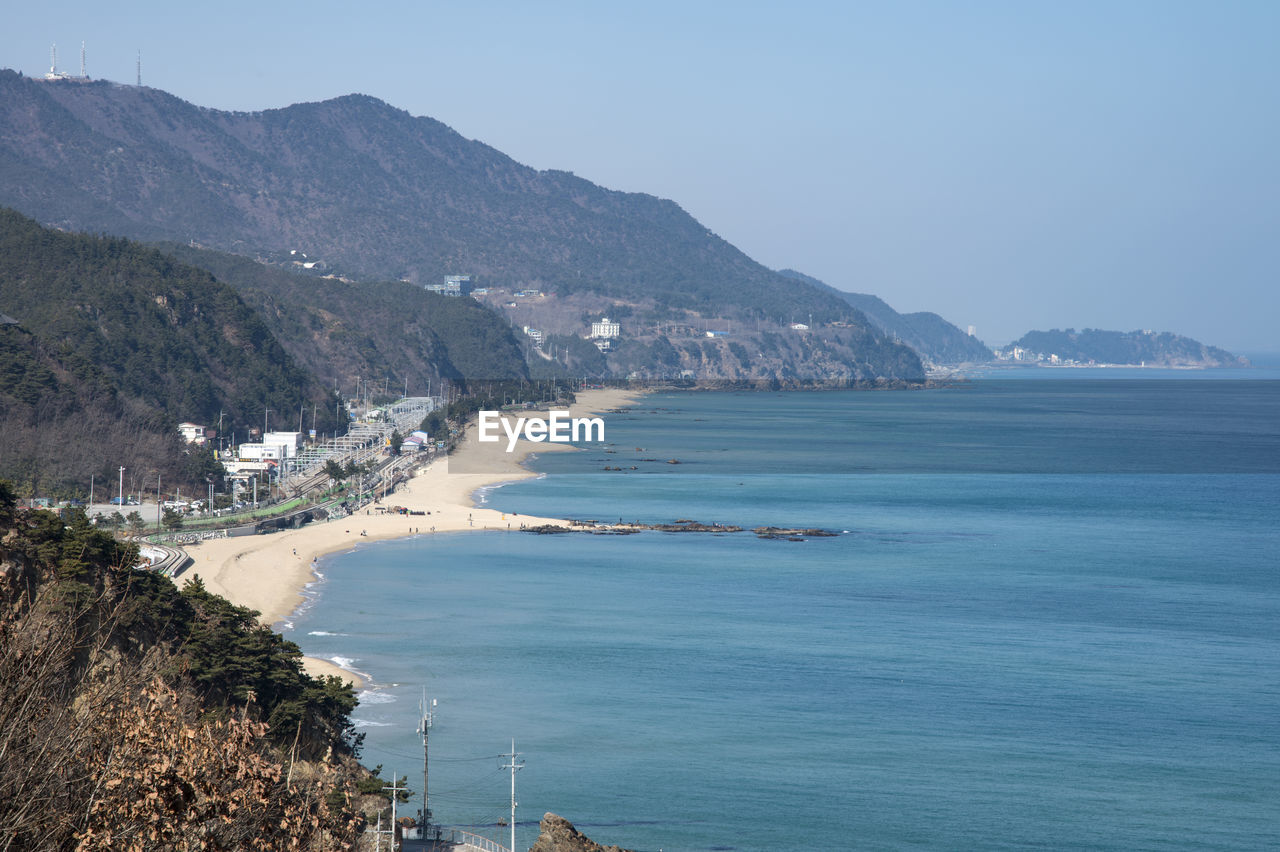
270,573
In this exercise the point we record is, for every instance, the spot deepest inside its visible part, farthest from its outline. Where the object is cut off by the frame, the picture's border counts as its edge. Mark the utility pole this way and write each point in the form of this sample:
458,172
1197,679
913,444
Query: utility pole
266,415
395,792
423,728
515,766
91,494
122,489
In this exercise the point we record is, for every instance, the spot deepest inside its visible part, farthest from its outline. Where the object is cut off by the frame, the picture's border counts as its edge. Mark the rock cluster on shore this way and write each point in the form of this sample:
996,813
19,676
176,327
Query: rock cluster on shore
559,835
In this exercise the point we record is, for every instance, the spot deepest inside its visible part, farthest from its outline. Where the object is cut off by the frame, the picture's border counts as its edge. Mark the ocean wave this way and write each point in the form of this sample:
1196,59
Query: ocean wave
374,696
365,723
325,633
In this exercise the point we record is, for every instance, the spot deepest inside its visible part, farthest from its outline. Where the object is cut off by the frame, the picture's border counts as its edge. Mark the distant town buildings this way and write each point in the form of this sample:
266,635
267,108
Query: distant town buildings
799,326
535,335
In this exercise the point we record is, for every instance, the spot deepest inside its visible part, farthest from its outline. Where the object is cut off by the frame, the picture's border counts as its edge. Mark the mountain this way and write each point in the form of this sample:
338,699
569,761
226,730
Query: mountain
369,192
1155,349
927,333
112,344
382,331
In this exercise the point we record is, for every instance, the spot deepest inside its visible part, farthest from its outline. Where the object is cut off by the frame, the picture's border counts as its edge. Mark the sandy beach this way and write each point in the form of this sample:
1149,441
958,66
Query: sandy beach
268,572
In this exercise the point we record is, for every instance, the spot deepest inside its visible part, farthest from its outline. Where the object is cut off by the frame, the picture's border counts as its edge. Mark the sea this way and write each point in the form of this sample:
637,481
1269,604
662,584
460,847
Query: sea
1049,618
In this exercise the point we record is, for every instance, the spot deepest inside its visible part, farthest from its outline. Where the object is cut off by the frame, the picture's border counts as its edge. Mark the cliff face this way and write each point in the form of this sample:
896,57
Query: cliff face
927,333
559,835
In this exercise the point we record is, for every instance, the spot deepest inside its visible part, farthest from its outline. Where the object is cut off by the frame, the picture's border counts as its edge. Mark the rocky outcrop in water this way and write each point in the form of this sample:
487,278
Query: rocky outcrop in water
559,835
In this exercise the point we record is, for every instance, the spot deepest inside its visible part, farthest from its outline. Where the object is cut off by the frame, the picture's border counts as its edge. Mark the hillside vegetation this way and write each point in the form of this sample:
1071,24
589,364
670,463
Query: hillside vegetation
114,344
379,330
135,716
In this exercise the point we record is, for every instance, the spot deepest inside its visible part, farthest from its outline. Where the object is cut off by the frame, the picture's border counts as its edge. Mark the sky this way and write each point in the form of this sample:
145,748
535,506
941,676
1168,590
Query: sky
1009,165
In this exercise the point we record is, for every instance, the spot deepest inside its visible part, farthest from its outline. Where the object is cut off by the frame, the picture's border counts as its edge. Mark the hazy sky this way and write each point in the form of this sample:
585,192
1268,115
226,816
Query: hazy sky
1011,165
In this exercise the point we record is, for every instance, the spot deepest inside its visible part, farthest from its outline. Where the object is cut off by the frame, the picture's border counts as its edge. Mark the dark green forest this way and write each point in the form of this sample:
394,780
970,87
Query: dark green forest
390,330
112,345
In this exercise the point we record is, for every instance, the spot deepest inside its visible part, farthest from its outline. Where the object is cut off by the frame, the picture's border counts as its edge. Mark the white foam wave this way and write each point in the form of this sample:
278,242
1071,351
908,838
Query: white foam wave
365,723
374,696
325,633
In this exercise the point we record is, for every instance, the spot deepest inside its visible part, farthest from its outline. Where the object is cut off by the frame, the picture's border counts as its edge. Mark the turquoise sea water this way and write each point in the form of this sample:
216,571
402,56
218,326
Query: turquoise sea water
1050,620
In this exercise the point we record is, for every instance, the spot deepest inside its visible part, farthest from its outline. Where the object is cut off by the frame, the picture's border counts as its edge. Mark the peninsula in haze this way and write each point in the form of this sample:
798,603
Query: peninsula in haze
1093,346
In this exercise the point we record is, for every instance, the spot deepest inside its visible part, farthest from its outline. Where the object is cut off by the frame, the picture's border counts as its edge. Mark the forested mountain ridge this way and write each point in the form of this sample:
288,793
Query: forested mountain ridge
114,345
370,192
924,331
363,185
380,330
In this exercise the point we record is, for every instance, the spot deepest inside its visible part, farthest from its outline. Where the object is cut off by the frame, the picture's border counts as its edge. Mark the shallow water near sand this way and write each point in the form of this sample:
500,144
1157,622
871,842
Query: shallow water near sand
1049,620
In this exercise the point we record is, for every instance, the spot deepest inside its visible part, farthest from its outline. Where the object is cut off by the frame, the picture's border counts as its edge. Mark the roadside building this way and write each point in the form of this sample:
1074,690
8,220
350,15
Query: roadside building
192,433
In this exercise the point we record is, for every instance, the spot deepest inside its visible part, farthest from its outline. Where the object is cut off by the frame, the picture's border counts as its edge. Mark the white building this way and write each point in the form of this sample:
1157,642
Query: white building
605,329
193,433
454,285
291,441
262,452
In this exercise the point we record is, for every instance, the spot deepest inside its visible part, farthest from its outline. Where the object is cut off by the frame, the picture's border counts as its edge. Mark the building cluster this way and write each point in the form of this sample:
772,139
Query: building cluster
1027,356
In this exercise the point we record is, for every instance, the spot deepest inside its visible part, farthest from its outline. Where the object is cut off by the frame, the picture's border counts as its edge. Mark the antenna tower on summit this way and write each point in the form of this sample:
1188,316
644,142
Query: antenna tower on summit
139,67
82,74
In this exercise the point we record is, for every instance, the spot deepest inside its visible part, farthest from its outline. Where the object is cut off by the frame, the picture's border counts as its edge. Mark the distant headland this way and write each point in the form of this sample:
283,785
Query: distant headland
1095,347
